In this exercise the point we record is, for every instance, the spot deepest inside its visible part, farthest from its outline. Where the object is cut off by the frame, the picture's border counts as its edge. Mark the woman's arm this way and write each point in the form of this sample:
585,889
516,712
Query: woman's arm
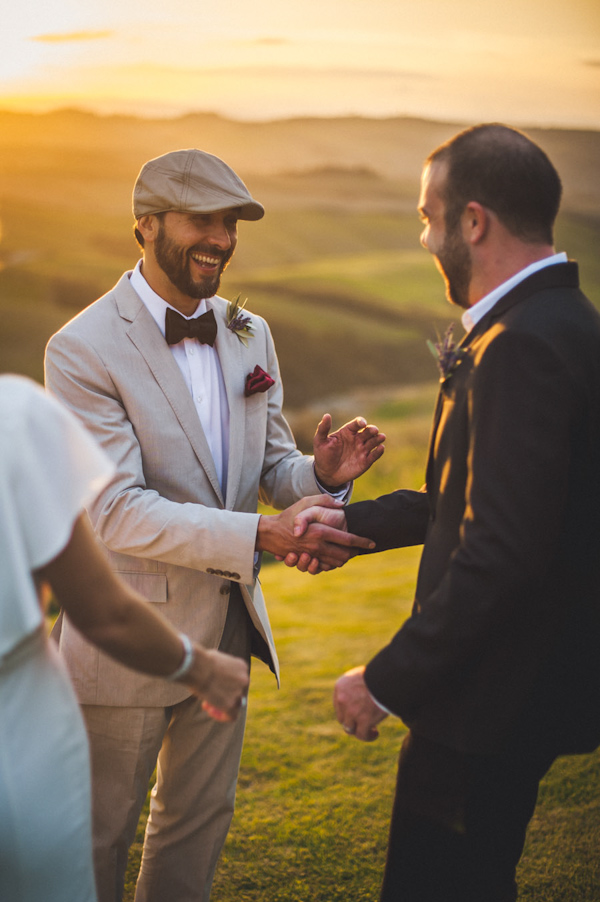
120,622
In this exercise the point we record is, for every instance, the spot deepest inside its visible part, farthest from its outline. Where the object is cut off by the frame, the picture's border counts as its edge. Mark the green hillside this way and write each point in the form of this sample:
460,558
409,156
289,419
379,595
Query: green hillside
335,265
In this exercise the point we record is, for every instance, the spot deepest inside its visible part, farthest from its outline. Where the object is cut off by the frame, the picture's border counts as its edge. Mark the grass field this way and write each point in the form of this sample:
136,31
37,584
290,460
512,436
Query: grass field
313,805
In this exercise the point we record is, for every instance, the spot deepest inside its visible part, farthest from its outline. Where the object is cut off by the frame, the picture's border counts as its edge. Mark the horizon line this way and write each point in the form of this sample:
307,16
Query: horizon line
179,115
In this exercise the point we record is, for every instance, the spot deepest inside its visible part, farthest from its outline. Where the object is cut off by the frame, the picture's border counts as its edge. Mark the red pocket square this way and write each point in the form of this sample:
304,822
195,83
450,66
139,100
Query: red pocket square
257,381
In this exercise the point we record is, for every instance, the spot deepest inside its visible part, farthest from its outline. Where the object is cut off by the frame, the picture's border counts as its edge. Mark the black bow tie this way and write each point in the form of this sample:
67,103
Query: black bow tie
177,327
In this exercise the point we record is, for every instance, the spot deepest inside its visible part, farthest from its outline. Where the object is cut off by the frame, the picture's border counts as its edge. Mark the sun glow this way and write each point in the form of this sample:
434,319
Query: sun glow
531,61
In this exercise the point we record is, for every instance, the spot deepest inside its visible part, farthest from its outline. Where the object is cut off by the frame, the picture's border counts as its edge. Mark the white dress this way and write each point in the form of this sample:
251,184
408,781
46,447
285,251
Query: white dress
49,469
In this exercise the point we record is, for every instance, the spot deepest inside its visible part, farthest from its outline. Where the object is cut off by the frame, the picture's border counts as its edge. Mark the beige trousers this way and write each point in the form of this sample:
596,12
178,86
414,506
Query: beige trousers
192,802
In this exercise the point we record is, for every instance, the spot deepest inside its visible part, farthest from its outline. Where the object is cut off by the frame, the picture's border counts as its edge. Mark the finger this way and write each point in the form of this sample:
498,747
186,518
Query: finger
349,540
290,559
366,733
323,427
332,556
301,523
336,538
377,452
356,425
305,517
303,562
319,500
315,567
369,433
217,713
372,440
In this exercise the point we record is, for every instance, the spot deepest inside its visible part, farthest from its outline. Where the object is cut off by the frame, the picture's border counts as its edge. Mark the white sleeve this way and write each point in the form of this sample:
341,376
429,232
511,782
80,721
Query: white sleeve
55,467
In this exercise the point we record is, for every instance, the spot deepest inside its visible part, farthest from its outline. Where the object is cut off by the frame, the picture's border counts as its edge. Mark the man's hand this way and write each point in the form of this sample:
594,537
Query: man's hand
221,681
346,454
325,546
334,517
354,707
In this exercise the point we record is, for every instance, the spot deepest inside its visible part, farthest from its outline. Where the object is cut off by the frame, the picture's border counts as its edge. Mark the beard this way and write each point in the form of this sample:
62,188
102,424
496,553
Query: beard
174,260
454,262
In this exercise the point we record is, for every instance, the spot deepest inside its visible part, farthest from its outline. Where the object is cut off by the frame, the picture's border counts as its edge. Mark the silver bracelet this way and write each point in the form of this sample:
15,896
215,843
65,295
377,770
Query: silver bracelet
188,657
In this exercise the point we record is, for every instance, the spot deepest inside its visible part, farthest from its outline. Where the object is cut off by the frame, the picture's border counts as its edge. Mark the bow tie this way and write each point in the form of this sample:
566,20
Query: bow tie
177,327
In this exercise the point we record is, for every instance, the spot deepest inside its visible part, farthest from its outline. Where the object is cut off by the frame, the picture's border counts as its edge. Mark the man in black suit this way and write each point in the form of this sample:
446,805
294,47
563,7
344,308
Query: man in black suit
497,670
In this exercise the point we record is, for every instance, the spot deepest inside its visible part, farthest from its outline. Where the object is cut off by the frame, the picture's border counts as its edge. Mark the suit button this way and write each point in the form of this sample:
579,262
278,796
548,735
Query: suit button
218,572
235,575
225,589
209,570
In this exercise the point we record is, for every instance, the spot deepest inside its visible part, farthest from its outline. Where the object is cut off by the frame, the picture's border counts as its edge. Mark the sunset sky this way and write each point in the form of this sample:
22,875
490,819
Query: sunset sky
519,61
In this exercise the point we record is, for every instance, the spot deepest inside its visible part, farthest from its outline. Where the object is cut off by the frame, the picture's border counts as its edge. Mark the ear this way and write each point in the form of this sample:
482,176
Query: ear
475,222
148,226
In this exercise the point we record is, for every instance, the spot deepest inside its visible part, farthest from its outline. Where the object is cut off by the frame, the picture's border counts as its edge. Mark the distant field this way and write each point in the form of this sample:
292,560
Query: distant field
335,265
341,319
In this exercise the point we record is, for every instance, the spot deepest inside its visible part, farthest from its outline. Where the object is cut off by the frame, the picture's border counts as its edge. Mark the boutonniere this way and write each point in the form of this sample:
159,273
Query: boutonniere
447,355
257,381
239,322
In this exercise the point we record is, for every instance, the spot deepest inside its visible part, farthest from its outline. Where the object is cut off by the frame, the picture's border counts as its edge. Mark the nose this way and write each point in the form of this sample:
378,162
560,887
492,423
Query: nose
219,236
220,231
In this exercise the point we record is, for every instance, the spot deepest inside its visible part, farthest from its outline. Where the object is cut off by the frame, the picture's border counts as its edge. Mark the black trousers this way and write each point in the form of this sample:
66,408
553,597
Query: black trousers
458,824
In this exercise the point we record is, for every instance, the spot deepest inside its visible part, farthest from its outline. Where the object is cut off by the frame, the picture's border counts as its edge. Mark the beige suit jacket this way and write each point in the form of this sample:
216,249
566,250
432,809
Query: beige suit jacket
165,526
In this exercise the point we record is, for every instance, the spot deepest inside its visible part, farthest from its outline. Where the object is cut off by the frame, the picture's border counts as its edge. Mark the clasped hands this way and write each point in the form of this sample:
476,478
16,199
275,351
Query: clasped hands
311,534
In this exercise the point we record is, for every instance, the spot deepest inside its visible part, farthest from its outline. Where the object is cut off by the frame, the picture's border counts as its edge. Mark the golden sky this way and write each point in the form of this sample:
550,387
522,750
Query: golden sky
519,61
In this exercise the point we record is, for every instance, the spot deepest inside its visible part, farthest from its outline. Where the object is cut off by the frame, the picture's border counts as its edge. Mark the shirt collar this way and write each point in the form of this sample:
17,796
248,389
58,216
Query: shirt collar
474,314
153,301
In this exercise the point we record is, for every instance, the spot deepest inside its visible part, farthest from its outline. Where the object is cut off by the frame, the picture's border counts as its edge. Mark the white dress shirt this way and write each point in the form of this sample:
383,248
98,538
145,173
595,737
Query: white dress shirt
201,369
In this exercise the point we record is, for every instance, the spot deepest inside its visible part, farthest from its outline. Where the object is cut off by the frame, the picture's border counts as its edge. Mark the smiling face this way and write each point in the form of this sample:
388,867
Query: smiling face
449,249
192,250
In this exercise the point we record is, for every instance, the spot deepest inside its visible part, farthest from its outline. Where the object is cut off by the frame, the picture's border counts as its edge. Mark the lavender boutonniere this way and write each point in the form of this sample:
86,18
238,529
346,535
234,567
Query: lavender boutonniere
447,355
239,322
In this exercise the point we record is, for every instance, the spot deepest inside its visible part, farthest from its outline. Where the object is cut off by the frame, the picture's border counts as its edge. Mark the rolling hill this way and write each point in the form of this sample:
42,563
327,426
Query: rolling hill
335,265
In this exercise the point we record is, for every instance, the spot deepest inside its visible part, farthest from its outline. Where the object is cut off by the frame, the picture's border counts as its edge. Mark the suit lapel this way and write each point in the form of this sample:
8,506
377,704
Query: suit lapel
229,348
146,337
560,275
464,343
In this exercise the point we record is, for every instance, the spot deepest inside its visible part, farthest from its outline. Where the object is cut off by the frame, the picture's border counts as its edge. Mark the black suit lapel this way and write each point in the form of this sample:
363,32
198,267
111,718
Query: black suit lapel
559,275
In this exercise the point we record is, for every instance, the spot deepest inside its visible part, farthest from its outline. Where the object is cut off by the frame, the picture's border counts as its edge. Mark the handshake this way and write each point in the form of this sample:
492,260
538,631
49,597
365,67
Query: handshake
311,535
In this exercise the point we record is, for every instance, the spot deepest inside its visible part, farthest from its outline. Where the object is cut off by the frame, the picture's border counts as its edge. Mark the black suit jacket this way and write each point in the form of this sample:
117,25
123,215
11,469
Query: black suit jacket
502,650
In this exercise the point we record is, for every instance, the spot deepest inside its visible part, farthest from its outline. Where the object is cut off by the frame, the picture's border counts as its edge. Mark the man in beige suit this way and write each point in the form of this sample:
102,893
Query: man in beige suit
195,426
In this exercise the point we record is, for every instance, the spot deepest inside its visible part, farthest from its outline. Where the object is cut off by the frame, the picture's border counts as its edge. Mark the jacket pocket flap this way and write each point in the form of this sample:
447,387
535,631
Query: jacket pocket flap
153,586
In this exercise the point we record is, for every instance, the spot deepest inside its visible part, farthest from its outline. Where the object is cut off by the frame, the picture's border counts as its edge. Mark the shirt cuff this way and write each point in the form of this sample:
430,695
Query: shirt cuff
341,494
380,706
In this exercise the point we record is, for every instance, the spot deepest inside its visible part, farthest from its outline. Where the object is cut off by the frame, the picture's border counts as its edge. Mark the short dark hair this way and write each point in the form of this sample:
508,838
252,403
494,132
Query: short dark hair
138,235
505,171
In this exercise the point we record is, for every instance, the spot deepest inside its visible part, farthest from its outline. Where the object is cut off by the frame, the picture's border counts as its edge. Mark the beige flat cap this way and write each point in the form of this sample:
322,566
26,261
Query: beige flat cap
191,181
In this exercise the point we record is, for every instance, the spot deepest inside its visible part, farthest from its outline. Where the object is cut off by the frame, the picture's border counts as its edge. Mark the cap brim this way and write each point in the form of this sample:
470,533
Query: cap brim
250,211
